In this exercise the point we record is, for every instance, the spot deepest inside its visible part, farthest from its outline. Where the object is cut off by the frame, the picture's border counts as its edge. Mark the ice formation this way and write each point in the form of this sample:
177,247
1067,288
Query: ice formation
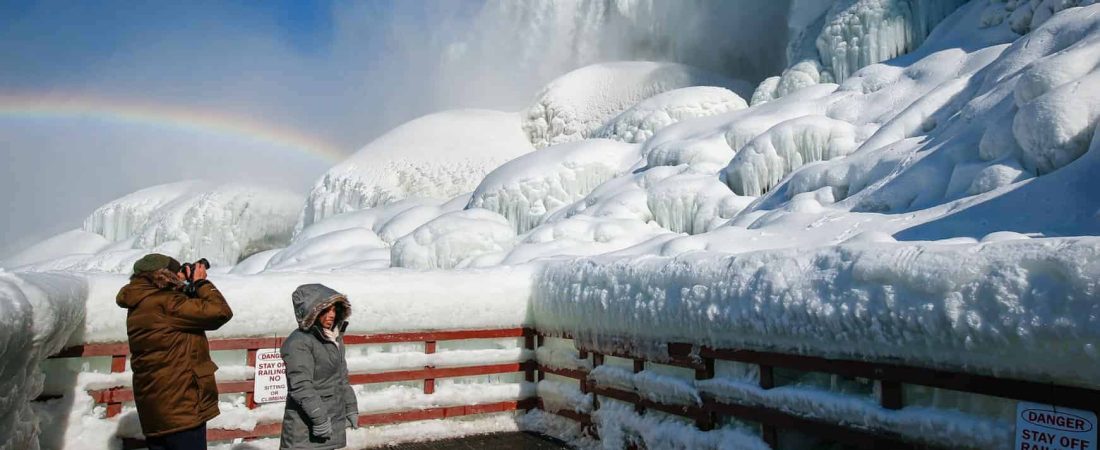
455,240
638,123
222,223
858,33
773,154
577,104
440,155
535,185
938,207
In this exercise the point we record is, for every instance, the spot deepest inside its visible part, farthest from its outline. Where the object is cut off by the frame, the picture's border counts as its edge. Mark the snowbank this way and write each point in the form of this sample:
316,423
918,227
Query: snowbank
575,105
440,155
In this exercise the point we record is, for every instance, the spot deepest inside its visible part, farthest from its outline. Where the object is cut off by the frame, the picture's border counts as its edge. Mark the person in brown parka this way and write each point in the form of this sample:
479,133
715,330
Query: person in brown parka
174,386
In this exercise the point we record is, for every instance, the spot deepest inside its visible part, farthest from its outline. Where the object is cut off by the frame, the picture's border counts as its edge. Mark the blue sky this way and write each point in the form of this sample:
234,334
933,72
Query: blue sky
343,72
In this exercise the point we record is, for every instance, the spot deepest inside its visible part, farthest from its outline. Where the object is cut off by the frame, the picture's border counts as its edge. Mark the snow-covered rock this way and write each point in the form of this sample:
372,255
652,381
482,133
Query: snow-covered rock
126,216
529,188
440,155
455,240
638,123
575,105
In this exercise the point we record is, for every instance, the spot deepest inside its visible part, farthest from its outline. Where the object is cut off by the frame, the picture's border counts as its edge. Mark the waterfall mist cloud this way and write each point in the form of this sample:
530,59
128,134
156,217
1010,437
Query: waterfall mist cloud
341,72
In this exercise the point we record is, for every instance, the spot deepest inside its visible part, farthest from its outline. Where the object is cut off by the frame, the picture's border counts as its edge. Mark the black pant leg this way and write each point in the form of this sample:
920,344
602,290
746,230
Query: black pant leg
193,439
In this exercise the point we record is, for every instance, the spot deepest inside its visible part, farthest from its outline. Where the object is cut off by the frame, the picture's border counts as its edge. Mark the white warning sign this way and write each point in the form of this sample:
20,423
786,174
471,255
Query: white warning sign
270,376
1048,427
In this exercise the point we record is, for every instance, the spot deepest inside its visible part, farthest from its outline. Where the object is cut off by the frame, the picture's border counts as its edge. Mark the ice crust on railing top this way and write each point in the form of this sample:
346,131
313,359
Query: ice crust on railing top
1023,308
382,302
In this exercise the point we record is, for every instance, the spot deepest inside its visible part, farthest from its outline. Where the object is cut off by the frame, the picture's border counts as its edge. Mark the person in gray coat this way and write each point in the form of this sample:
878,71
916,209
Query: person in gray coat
320,402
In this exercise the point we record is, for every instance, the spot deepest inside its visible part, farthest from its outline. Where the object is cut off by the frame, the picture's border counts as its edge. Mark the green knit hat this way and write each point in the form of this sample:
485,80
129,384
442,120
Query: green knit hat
156,261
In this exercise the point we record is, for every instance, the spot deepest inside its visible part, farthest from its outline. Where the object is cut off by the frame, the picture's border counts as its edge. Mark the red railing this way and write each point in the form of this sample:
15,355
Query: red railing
115,397
889,377
773,421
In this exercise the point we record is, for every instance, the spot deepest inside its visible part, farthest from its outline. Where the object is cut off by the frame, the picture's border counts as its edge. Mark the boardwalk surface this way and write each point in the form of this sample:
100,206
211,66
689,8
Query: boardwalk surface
500,441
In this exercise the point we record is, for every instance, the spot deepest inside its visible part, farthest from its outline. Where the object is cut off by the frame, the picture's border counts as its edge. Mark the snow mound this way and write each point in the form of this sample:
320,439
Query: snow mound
785,147
357,247
440,155
575,105
1059,104
69,243
455,240
693,203
126,216
803,74
1023,16
222,223
529,188
638,123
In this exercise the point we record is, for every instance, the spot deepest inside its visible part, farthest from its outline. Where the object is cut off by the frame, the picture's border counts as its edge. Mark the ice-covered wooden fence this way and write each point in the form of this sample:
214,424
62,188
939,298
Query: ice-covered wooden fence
114,398
773,421
706,413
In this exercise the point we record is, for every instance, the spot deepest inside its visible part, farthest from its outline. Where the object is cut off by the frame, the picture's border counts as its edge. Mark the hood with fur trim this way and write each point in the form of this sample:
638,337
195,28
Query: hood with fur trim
310,299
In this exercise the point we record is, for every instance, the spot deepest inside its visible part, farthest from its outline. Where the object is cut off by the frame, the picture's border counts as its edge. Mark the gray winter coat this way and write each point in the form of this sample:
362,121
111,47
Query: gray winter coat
316,372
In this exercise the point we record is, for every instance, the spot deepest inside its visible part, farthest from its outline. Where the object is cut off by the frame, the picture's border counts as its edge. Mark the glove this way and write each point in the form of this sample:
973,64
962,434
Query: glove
353,421
322,430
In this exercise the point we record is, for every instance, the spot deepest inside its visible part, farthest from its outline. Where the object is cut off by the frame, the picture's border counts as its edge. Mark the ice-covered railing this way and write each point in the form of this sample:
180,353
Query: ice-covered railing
412,357
423,368
627,398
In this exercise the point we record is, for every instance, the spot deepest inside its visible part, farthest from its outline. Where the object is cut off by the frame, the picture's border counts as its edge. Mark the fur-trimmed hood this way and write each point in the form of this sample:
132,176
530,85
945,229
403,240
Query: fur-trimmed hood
310,299
144,284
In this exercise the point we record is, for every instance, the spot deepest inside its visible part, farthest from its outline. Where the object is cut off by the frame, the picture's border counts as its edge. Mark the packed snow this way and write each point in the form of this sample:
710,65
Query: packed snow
918,185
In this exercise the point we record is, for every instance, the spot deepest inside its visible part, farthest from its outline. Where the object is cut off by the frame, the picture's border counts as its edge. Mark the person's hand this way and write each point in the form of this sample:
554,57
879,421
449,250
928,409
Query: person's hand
353,421
322,430
200,272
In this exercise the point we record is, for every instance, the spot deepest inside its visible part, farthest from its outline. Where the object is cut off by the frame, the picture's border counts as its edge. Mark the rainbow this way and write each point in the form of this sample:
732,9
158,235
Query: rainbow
54,106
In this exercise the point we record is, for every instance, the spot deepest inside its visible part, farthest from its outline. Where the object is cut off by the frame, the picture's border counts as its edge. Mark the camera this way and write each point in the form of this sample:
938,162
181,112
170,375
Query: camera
189,268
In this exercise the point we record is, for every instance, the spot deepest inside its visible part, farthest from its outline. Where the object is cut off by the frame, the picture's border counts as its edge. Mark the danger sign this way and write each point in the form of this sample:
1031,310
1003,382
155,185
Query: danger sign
270,376
1048,427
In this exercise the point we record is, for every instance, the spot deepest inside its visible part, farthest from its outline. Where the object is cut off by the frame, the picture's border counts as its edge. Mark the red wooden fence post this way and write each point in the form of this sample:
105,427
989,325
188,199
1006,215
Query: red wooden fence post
118,365
529,342
707,421
639,365
250,396
429,383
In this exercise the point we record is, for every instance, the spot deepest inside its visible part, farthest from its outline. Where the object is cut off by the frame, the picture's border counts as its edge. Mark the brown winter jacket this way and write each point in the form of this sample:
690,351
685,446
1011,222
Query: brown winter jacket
174,385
